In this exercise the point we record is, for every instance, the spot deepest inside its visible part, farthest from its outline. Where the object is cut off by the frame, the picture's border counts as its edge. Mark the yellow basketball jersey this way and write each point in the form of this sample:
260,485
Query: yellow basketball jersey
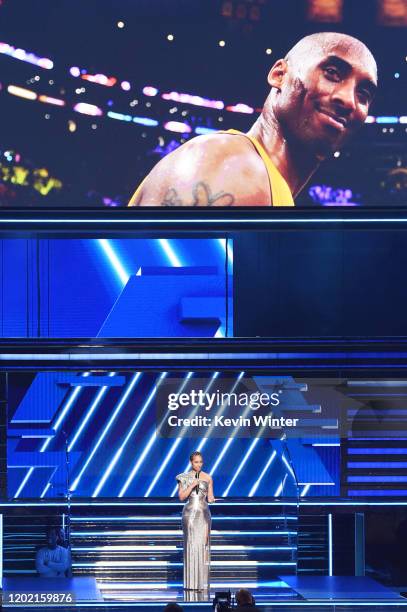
280,192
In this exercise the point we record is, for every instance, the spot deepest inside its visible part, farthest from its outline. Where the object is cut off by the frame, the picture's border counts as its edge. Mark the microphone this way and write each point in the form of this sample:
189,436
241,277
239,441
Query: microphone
197,487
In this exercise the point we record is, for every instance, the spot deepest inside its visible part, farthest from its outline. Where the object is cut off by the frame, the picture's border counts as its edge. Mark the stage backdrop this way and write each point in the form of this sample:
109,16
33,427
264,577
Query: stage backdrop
115,288
95,433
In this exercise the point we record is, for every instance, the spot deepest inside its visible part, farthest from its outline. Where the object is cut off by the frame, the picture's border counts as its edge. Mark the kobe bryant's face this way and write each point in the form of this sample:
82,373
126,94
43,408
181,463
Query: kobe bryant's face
325,98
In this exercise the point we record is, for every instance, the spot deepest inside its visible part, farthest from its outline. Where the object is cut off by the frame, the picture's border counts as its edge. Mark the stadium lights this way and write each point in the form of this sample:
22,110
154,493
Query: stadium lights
49,100
31,58
119,116
177,126
14,90
243,10
392,13
93,110
150,91
240,108
100,79
145,121
88,109
326,11
204,130
185,98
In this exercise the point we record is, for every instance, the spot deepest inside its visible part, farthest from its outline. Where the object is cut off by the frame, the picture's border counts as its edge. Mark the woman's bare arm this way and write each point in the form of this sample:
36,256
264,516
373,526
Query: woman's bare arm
211,497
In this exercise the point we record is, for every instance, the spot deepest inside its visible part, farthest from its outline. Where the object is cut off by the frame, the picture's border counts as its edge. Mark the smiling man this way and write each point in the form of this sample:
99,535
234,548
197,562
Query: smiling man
320,96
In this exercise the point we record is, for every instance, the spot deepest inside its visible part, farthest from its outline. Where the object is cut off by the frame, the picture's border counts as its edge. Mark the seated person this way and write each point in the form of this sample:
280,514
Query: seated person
245,601
53,560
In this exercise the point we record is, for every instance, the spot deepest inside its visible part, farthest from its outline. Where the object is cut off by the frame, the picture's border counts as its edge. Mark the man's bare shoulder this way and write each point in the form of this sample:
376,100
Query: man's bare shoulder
217,145
209,170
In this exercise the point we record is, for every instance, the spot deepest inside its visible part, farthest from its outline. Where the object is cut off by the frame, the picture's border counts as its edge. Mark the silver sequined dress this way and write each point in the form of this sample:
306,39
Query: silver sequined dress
196,527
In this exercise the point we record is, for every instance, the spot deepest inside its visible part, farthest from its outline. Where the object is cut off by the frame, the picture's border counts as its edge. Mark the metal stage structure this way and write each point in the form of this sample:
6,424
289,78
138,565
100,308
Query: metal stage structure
307,548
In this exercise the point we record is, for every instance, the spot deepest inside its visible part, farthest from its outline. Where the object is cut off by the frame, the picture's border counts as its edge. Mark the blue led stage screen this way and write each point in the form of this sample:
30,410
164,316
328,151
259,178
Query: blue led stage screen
72,288
95,434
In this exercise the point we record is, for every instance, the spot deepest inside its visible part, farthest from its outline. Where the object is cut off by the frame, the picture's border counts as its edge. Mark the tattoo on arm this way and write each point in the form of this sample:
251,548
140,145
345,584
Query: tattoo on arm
171,198
201,196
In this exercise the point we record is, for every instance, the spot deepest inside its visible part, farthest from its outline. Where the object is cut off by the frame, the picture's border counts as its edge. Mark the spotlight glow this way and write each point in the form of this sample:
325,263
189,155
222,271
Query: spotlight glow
240,108
204,130
31,58
75,71
14,90
119,116
185,98
48,100
100,79
177,126
150,91
88,109
145,121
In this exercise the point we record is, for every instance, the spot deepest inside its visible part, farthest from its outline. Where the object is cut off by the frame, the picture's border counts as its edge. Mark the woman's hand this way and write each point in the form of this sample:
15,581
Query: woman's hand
183,494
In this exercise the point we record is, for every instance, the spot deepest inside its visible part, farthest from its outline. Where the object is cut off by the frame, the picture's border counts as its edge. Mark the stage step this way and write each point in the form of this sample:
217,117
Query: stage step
145,547
137,545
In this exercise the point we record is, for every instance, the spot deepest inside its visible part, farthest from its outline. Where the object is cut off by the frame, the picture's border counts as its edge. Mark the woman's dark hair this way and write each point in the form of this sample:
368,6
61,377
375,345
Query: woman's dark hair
192,455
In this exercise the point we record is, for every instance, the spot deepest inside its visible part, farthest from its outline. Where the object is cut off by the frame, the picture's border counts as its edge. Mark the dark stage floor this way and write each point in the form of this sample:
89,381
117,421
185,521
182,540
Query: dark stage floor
284,593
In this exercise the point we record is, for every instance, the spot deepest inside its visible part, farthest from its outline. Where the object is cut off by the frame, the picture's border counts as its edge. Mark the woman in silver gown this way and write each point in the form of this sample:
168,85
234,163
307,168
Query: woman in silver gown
196,487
